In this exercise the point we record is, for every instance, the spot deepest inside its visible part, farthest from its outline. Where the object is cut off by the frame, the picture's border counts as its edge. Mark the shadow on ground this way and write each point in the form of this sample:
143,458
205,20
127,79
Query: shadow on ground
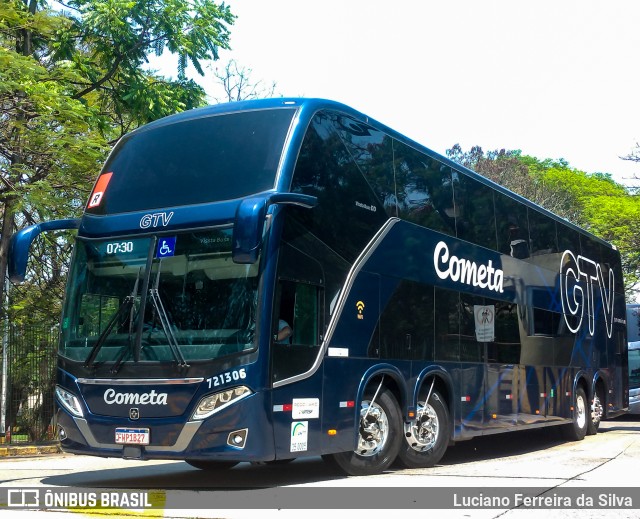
180,475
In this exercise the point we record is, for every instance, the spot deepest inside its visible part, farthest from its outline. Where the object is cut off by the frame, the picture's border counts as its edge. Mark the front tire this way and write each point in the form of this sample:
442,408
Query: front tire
379,437
577,430
426,437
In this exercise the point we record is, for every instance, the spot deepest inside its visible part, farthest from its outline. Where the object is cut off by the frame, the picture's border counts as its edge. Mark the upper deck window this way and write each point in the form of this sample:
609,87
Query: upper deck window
195,161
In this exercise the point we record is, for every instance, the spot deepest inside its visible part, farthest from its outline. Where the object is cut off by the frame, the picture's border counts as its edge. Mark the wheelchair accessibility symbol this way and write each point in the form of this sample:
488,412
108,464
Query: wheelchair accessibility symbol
166,247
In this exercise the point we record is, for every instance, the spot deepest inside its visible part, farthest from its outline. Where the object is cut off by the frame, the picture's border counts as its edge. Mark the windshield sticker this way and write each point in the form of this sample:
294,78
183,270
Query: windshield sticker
166,247
98,191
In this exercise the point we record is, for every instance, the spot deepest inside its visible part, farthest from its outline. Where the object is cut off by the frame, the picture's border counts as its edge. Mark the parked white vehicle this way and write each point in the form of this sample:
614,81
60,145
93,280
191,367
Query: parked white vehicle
633,336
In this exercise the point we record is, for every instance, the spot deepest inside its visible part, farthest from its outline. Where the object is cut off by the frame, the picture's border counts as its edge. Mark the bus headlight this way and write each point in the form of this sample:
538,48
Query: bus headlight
211,404
69,402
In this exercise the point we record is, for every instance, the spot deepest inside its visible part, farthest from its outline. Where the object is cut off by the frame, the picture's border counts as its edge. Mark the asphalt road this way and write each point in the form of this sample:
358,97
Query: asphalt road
535,464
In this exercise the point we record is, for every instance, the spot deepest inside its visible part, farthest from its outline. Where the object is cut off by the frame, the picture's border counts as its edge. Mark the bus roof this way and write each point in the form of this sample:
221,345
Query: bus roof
307,107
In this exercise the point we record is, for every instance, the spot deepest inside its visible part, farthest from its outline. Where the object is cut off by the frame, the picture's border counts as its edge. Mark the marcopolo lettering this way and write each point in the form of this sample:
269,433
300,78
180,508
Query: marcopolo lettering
575,296
151,398
461,270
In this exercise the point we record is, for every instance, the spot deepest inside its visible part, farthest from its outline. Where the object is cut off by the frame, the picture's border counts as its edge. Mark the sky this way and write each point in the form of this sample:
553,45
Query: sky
554,79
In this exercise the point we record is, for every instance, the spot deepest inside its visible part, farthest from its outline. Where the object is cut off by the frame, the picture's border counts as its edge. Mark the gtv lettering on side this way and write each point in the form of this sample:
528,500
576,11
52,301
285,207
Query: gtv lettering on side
575,297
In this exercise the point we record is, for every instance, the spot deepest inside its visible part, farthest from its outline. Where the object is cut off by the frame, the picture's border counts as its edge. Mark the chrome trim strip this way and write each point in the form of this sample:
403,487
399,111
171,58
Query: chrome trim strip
344,293
185,437
139,381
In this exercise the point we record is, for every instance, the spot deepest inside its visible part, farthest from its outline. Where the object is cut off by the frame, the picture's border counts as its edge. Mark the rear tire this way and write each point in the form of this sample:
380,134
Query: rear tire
379,437
426,437
596,412
577,430
211,464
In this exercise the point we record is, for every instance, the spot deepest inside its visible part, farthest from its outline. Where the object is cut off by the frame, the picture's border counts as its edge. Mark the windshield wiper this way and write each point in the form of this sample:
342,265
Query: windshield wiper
127,305
154,296
129,346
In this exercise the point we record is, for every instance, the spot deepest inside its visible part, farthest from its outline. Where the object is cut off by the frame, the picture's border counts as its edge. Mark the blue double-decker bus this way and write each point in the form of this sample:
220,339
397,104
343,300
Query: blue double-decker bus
272,279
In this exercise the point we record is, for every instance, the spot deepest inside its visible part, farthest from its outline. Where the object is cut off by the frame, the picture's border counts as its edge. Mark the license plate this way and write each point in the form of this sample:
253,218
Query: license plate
128,436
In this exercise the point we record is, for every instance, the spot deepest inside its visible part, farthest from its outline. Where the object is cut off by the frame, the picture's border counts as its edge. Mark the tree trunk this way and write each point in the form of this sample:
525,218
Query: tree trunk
5,240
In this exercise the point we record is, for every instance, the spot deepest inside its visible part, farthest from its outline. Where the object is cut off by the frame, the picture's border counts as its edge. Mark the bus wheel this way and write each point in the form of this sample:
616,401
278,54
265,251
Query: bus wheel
597,411
211,464
577,429
426,437
379,437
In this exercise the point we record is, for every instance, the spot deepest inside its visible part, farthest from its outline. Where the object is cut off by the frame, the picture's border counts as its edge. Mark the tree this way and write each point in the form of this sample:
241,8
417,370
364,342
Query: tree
634,156
71,84
238,85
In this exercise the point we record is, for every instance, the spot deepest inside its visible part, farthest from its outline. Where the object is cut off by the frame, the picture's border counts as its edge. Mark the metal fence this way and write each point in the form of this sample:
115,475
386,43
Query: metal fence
27,383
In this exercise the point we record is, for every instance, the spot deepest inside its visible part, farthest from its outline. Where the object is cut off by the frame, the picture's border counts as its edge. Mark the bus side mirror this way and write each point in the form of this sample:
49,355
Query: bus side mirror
249,222
21,242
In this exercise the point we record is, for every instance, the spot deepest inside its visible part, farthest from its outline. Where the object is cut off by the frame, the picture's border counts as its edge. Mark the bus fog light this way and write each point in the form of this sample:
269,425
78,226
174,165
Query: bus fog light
211,404
62,434
238,439
69,401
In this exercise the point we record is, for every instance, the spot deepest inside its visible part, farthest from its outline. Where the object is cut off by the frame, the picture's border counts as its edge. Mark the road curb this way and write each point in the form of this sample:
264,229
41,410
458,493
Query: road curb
28,450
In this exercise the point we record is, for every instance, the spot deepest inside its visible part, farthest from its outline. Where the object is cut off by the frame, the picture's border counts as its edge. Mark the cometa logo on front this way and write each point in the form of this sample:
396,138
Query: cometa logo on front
151,398
461,270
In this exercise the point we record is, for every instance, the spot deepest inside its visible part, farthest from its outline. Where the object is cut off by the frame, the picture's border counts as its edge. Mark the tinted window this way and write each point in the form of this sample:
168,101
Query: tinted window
506,348
512,226
423,190
305,258
475,214
548,323
298,308
406,324
591,249
472,336
371,151
542,233
348,213
447,325
569,239
611,261
196,161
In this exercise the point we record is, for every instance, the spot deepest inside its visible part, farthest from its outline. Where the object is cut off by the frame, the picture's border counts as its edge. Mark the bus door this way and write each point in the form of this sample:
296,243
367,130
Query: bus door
295,346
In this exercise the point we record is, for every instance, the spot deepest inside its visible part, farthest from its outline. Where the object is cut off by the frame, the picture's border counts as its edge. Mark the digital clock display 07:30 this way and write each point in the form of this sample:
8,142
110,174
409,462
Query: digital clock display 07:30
119,247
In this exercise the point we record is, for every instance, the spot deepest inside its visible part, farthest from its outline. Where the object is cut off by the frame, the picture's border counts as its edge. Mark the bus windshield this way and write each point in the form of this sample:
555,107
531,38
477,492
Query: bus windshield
177,297
194,161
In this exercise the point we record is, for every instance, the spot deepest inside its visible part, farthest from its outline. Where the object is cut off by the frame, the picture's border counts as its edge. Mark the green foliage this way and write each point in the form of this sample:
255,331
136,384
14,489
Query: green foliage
71,84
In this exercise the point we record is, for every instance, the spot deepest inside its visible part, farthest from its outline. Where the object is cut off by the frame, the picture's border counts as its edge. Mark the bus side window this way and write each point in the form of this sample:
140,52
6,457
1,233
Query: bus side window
305,315
299,306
